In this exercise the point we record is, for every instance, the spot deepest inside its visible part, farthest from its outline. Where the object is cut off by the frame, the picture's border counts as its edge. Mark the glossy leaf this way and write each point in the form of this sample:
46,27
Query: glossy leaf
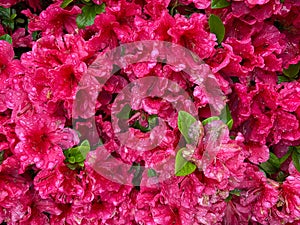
7,38
296,158
292,71
65,3
218,4
226,117
89,12
216,26
151,173
210,119
182,166
185,123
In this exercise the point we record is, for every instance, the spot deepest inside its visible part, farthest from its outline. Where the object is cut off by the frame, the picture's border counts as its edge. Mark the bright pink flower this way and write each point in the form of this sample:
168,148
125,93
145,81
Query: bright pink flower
7,54
65,78
37,208
268,40
20,39
8,3
240,103
35,4
249,60
222,58
202,4
289,96
180,201
290,194
156,8
257,128
192,34
50,52
37,85
42,139
257,153
42,94
255,13
64,185
113,25
286,128
73,214
53,20
259,192
222,158
235,213
11,73
287,209
98,2
240,29
13,198
257,2
264,77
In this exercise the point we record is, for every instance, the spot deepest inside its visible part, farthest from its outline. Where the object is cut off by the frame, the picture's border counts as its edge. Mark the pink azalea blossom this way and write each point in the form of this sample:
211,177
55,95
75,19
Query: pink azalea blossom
42,140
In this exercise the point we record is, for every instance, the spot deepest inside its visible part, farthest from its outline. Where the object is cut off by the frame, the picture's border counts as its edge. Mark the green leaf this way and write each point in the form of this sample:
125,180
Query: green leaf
65,3
292,71
235,192
71,159
137,169
182,166
210,119
281,176
218,4
13,16
5,13
228,199
152,122
235,79
20,20
7,17
72,166
268,168
274,160
216,26
185,123
9,23
285,157
283,79
226,117
1,157
84,149
78,154
125,112
89,12
7,38
151,173
272,165
296,158
81,164
35,35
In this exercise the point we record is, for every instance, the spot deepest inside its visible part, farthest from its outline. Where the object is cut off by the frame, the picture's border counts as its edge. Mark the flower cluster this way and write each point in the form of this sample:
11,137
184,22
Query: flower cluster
59,164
